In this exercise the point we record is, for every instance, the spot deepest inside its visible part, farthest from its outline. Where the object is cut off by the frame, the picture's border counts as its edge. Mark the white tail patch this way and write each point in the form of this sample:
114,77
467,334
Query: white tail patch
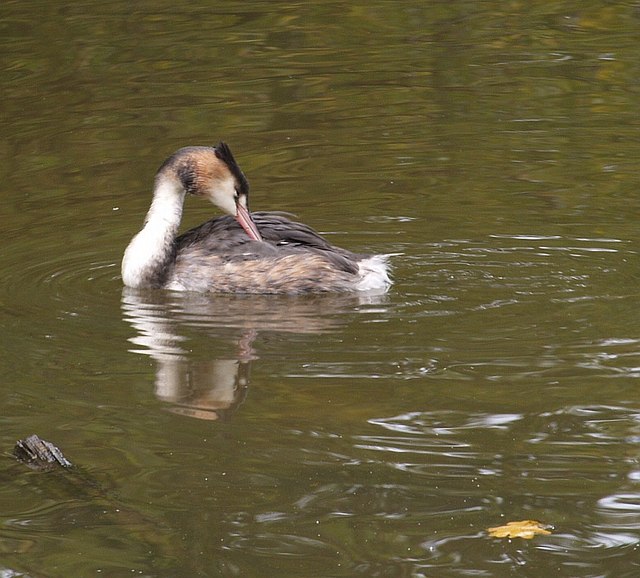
374,274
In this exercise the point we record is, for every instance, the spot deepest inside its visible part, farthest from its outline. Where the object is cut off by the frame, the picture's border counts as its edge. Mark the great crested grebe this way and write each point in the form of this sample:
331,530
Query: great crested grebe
239,252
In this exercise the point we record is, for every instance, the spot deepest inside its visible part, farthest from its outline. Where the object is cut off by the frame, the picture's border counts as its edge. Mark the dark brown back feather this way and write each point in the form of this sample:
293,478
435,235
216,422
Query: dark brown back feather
225,238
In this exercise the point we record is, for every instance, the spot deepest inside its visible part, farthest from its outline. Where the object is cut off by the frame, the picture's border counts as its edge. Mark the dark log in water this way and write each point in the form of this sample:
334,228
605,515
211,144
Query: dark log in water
43,456
39,454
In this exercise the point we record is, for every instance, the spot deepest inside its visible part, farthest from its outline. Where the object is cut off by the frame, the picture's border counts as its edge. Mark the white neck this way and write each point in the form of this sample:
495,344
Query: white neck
150,252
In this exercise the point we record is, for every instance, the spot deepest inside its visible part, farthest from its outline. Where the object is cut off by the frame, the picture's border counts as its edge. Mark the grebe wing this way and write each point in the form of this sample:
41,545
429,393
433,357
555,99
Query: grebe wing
278,228
224,237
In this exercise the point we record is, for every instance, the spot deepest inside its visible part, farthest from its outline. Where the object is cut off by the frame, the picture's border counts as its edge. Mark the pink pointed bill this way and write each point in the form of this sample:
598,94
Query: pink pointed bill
246,222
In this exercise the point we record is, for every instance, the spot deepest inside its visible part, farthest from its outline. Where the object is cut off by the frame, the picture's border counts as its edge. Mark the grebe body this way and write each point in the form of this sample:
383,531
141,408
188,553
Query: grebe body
240,252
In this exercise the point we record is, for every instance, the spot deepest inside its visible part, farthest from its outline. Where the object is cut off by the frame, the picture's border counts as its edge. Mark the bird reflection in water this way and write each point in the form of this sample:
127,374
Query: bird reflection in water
207,388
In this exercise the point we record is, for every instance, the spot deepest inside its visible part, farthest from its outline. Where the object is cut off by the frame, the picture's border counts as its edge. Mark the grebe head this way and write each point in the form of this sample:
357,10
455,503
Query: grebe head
212,173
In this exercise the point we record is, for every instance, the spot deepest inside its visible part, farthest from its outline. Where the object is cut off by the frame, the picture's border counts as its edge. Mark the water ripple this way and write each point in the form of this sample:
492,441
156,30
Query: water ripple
504,270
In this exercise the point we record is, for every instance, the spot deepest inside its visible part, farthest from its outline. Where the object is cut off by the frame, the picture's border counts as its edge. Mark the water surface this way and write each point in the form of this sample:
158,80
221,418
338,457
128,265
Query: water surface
490,146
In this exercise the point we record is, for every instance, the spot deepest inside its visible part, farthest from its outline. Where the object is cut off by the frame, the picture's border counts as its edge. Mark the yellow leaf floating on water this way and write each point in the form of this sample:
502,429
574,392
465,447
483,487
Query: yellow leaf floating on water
526,529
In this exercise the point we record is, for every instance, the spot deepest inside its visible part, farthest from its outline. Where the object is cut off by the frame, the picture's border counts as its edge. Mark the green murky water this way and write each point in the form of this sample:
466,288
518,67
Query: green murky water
492,146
